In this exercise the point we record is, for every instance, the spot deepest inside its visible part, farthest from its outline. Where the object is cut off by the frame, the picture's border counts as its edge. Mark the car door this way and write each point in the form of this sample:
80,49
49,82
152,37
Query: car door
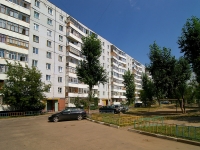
74,113
66,114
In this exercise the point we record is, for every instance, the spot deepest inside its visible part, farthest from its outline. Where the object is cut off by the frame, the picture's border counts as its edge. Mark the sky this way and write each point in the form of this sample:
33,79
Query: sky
133,25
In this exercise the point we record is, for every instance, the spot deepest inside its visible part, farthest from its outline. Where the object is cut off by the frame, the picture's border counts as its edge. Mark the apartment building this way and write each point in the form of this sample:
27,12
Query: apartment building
37,33
14,33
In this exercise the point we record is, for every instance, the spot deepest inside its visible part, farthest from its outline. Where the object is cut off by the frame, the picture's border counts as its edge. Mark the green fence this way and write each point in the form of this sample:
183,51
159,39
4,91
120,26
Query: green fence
186,132
18,114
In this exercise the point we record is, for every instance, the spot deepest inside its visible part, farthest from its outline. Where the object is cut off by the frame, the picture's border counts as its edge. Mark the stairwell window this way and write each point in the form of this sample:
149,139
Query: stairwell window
35,50
48,66
60,28
34,63
37,3
50,11
35,38
60,79
61,18
60,38
49,55
48,43
60,69
48,77
60,58
49,32
36,27
49,21
36,15
59,90
60,48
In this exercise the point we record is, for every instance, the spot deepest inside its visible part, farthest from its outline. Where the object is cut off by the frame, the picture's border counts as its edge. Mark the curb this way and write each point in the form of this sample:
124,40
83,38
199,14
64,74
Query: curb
103,123
165,137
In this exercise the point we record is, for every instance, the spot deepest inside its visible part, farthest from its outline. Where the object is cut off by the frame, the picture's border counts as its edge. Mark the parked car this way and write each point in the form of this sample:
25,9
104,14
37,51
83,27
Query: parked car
70,113
164,102
115,109
124,108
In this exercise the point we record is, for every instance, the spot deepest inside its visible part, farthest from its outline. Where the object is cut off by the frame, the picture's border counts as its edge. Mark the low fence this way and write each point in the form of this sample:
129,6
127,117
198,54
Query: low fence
18,114
120,120
186,132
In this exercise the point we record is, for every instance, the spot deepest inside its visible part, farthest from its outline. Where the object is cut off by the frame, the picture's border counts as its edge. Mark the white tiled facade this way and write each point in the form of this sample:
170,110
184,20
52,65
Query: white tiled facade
37,33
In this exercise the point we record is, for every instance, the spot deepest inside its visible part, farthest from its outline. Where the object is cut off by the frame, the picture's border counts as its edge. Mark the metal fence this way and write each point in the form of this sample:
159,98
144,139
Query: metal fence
18,114
186,132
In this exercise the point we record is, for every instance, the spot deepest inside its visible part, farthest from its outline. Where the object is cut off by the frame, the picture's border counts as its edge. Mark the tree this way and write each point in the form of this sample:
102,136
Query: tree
189,43
129,84
181,74
161,68
148,91
89,70
23,88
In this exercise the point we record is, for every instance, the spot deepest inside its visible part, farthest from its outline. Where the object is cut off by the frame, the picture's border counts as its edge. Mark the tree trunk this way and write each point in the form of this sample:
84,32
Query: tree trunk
89,98
181,105
183,101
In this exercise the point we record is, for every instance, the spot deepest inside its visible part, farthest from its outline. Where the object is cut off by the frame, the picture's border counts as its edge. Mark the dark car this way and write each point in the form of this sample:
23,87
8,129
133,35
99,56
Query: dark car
110,109
70,113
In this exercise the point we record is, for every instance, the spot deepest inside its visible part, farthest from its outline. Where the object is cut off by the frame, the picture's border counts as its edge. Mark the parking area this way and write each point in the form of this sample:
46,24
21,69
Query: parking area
36,133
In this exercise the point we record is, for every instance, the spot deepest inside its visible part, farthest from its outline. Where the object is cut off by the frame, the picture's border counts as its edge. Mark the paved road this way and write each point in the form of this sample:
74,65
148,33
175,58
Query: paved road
35,133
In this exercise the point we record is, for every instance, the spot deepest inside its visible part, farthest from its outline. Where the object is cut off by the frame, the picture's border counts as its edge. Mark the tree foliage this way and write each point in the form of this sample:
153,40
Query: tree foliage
129,84
23,88
161,68
148,91
189,43
89,70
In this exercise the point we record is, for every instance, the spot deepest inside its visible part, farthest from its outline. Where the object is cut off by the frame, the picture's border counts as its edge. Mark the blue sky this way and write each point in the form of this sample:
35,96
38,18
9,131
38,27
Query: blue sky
132,25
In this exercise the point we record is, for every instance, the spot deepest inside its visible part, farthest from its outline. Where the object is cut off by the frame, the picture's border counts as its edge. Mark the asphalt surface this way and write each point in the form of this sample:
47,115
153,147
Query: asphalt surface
36,133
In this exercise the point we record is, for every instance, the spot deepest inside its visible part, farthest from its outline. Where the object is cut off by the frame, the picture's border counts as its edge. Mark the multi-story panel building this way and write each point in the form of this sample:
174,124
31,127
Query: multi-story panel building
37,33
14,33
47,49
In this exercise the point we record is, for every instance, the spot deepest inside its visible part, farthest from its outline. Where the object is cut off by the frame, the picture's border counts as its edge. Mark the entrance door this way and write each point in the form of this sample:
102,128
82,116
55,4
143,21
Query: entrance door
56,105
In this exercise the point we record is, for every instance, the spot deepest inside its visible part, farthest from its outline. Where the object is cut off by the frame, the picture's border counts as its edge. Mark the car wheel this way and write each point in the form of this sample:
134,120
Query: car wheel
55,119
79,117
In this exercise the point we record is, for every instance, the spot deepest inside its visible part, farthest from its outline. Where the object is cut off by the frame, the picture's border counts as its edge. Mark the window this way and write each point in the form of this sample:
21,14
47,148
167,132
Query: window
49,90
50,11
34,63
108,46
103,43
60,38
108,53
103,93
59,79
48,66
13,55
61,18
49,21
37,3
48,77
36,27
103,57
48,54
60,69
35,50
60,58
103,50
60,48
60,28
108,59
48,43
36,15
1,53
59,90
36,38
49,32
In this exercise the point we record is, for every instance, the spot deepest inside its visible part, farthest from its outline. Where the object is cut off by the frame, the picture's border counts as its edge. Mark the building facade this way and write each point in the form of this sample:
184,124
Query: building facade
37,33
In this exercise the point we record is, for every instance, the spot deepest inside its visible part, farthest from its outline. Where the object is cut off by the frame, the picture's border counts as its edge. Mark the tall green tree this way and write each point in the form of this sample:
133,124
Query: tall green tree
189,43
181,74
129,84
23,88
90,70
148,89
161,68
